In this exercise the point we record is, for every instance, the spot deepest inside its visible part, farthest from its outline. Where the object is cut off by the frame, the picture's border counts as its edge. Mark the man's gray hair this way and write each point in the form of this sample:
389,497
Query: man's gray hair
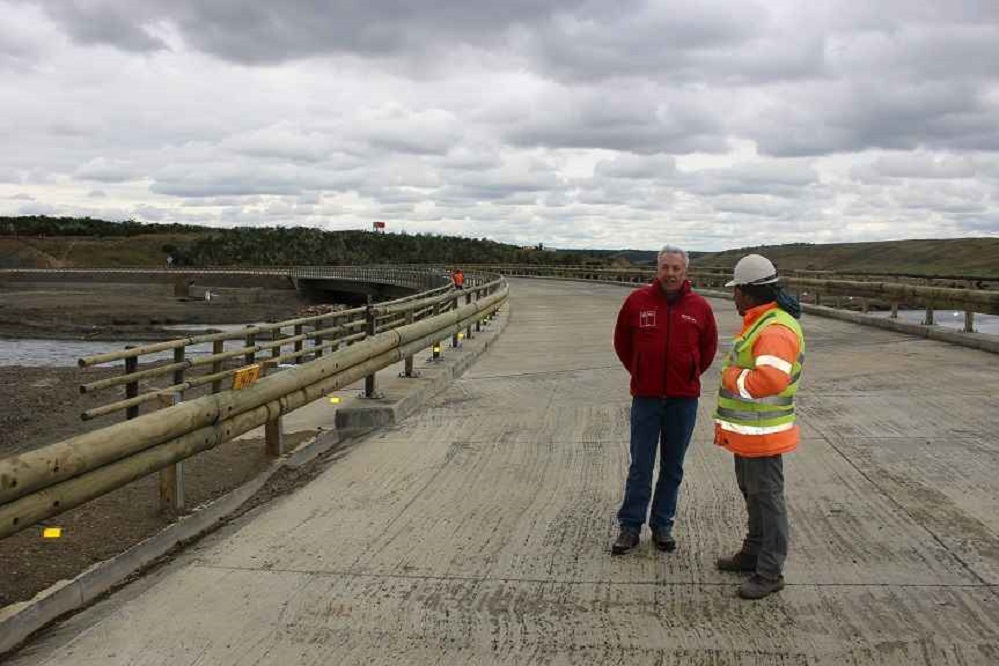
673,249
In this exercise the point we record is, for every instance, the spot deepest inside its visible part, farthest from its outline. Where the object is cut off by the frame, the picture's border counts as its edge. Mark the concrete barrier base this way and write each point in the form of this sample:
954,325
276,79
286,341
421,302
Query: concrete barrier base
401,396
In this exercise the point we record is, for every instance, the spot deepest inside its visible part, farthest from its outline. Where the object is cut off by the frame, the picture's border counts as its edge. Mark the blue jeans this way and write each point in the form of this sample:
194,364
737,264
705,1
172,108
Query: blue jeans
668,423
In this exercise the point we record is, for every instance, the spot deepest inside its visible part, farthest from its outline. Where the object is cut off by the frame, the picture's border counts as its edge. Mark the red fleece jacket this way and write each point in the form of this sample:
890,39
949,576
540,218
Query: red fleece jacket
665,346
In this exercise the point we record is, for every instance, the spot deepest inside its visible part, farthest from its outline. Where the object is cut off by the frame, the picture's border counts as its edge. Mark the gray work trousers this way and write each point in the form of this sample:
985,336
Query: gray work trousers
761,481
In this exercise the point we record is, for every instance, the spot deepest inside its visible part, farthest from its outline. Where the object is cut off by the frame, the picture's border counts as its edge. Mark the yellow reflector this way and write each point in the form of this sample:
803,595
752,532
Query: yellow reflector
51,532
461,336
245,376
437,349
335,400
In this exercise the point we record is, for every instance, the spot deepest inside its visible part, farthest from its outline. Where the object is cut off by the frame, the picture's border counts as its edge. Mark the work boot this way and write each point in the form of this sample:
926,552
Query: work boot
741,561
626,541
758,587
664,540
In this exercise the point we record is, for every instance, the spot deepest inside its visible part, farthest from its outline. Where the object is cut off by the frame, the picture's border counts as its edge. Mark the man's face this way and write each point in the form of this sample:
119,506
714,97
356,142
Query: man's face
672,271
742,304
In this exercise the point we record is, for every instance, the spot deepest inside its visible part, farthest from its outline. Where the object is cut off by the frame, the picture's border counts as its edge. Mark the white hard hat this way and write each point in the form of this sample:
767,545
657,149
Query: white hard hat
753,269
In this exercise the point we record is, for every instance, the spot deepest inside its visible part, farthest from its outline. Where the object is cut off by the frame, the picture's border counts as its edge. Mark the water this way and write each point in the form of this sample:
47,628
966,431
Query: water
954,319
64,353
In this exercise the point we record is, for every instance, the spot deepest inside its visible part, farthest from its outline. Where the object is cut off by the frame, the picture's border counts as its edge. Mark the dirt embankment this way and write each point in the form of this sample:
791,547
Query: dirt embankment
111,311
42,405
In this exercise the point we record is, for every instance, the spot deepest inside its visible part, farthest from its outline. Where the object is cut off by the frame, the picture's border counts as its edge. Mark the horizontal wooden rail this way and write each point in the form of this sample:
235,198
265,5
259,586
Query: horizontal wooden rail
325,331
42,483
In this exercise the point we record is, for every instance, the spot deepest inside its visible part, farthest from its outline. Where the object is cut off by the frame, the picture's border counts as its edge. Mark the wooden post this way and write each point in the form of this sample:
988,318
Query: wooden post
454,306
369,381
276,350
408,367
317,340
969,321
928,320
172,476
894,309
478,321
468,331
218,346
273,429
251,357
131,388
298,343
436,353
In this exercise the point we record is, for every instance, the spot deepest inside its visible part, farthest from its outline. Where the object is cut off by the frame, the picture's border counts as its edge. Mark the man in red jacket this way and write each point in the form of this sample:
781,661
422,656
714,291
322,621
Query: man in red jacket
666,338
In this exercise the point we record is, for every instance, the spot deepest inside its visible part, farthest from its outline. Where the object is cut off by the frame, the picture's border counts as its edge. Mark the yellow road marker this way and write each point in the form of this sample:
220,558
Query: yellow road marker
335,400
51,532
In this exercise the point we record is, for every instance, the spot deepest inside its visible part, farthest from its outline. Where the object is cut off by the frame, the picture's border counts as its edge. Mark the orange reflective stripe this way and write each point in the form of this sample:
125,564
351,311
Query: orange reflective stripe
778,341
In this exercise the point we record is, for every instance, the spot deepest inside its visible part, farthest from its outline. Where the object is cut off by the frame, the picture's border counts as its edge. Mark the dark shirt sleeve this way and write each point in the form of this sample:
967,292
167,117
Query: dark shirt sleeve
709,339
622,337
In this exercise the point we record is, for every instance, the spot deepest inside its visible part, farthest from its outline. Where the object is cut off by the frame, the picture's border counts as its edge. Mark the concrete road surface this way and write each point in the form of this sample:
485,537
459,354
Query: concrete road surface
478,531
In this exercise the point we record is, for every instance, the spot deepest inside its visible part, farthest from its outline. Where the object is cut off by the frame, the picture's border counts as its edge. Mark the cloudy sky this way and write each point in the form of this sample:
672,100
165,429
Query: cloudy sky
577,123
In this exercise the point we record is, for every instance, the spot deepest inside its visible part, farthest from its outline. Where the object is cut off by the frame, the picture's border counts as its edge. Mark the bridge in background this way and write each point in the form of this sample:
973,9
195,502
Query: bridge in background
477,531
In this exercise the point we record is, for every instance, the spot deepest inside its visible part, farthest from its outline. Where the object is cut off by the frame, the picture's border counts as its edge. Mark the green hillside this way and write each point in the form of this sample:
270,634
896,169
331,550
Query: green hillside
83,243
40,241
954,256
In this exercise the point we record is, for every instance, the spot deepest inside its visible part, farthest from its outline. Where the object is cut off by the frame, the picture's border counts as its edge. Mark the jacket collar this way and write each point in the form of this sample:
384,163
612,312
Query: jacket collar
657,287
753,314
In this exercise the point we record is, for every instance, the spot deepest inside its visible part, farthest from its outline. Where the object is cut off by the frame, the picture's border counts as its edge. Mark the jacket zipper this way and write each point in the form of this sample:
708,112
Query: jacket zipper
669,321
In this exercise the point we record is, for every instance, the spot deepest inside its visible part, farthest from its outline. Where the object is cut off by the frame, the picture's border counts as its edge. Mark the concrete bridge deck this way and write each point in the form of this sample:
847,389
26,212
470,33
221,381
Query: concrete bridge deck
477,532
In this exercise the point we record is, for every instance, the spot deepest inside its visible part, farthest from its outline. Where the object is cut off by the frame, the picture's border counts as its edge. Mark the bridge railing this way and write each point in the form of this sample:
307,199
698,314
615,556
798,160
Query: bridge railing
866,294
261,346
38,484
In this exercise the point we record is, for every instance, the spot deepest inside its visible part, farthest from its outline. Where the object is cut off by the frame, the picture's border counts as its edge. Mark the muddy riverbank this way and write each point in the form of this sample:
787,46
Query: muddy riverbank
41,404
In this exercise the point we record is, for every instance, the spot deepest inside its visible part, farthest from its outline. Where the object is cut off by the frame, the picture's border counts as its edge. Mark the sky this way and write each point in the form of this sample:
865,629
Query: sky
711,125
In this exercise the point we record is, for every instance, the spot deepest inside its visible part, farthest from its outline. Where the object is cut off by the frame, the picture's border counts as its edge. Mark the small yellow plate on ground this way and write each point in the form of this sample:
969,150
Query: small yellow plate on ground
335,400
51,532
245,376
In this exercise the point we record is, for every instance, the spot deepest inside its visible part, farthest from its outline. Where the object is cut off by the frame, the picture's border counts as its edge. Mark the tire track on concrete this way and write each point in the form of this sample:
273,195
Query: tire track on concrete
572,582
907,512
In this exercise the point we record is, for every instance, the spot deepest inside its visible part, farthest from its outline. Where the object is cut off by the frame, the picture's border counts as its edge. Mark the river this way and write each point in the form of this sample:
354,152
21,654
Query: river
55,353
62,353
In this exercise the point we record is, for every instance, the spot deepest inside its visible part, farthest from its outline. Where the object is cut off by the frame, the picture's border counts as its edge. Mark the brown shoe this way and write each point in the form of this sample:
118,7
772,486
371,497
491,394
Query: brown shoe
627,540
758,587
742,562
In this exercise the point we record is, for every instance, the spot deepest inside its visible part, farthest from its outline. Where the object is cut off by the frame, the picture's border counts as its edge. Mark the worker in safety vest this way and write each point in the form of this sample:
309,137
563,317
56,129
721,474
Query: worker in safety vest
755,417
458,277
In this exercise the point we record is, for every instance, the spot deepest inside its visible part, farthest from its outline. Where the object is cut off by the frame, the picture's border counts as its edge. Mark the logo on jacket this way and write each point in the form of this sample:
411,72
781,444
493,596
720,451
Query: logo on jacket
647,319
687,317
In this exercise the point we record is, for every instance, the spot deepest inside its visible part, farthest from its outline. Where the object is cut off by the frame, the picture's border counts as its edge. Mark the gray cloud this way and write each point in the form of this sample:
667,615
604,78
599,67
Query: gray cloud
635,121
565,121
276,32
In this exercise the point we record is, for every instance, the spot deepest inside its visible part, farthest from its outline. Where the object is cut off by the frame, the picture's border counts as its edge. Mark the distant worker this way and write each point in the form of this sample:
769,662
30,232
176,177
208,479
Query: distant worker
458,277
666,338
755,417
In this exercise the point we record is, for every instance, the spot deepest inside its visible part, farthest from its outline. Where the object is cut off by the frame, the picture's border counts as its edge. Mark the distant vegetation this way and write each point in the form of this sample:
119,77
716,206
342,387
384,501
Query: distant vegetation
972,257
49,241
40,241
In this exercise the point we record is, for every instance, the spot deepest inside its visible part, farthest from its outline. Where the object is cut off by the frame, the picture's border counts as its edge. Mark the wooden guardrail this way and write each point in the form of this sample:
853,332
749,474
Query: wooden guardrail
868,293
38,484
